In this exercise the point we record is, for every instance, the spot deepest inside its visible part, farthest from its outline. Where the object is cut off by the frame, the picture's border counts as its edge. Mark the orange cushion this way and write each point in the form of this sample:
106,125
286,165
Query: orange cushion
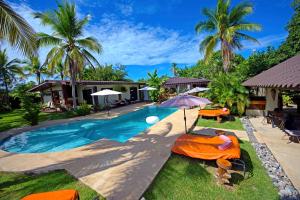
206,148
55,195
214,112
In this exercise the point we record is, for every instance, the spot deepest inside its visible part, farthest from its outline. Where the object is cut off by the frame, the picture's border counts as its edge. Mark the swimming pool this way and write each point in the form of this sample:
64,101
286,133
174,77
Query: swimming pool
75,134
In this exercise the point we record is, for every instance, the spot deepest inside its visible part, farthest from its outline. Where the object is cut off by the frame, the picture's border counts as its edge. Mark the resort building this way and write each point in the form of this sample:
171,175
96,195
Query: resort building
267,87
182,84
60,91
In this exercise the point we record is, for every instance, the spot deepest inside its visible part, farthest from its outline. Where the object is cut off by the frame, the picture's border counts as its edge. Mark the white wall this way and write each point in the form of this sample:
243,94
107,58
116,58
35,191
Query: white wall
111,98
271,103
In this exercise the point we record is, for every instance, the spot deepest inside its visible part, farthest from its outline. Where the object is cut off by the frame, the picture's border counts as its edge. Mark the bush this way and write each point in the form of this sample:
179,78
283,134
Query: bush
83,109
227,90
32,109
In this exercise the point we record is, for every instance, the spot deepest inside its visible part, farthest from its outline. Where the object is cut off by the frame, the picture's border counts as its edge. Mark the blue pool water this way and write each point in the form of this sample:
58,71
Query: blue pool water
74,134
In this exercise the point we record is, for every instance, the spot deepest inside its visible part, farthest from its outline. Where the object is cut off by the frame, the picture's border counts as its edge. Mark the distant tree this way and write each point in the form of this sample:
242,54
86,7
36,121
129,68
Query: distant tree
226,26
9,70
69,46
209,68
291,46
33,67
174,68
105,73
16,30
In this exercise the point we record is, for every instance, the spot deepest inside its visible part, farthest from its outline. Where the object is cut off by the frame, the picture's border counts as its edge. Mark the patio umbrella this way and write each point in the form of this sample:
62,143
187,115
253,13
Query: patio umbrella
147,88
196,89
106,93
185,101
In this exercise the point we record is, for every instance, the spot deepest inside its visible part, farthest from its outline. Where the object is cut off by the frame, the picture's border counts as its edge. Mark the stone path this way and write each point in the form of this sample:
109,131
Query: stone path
115,170
281,169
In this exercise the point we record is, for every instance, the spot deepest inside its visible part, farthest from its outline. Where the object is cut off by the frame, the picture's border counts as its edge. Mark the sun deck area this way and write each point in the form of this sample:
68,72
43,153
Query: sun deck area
115,170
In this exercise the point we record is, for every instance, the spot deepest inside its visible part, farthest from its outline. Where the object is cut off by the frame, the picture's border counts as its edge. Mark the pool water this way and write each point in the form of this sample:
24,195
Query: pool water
74,134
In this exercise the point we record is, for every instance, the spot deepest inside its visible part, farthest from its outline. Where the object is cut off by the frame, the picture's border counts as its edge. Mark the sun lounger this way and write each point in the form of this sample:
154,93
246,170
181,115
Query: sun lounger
206,148
55,195
218,113
293,134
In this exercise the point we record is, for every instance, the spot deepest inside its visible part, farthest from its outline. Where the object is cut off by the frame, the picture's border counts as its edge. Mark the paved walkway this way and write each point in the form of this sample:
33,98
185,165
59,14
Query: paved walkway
115,170
287,154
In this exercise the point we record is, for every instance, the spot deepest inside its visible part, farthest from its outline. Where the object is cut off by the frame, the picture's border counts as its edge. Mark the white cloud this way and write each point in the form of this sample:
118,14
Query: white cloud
138,44
125,8
131,43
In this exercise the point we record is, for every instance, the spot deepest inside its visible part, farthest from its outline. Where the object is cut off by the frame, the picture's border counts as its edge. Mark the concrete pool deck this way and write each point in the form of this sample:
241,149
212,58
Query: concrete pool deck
287,154
115,170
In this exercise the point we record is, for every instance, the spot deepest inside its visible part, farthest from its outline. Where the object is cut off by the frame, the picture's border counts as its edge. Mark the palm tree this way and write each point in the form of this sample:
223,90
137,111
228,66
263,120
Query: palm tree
174,69
16,30
33,67
8,72
61,70
226,27
69,46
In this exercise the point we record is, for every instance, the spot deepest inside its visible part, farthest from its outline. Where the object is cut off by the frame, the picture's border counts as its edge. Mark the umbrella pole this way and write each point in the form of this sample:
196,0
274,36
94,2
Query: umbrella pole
185,121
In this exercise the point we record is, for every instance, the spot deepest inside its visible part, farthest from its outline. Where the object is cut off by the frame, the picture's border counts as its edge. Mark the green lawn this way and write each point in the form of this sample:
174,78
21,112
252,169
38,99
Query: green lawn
17,185
212,123
184,178
14,118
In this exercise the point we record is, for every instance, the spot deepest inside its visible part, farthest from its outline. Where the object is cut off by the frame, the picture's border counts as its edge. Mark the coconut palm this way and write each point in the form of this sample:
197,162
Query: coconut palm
67,38
8,72
226,28
16,30
33,67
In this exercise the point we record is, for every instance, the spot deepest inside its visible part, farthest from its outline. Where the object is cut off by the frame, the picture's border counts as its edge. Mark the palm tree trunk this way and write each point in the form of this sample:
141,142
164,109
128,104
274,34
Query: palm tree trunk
6,100
38,77
73,82
225,55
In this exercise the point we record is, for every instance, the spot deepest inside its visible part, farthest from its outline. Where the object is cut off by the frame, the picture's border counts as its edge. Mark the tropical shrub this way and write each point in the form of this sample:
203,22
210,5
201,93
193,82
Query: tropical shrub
227,91
155,81
31,108
83,109
287,100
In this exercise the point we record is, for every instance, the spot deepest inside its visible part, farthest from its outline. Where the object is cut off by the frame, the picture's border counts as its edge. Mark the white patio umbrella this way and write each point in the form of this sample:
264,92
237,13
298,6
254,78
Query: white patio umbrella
106,93
147,88
196,89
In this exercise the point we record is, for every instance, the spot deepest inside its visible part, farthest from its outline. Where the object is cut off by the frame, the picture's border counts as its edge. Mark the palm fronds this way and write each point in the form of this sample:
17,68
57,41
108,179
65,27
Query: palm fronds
16,30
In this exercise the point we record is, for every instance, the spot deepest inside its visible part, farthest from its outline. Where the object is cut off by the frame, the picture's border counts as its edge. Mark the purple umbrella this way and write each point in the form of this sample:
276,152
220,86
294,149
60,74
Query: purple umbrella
185,101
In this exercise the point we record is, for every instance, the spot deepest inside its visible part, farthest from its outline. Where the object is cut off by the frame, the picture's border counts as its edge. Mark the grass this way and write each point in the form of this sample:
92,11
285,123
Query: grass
235,124
14,118
17,185
183,178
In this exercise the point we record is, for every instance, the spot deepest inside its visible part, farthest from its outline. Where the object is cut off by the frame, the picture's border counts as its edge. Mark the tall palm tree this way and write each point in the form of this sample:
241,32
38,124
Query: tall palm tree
16,30
226,27
174,69
33,67
69,45
8,72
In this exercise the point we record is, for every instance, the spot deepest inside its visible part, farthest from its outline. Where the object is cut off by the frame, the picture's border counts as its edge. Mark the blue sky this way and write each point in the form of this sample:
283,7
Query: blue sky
150,34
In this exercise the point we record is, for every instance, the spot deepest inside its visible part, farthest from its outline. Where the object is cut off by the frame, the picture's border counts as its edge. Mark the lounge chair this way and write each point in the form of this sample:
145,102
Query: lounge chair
292,134
206,148
57,195
218,113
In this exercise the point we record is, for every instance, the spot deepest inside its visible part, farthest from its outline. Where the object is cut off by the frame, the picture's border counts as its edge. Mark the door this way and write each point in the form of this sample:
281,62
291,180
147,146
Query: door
87,97
133,93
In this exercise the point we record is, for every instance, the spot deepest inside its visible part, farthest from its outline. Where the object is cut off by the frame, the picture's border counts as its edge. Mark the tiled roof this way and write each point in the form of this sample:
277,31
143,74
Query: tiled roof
48,83
284,75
